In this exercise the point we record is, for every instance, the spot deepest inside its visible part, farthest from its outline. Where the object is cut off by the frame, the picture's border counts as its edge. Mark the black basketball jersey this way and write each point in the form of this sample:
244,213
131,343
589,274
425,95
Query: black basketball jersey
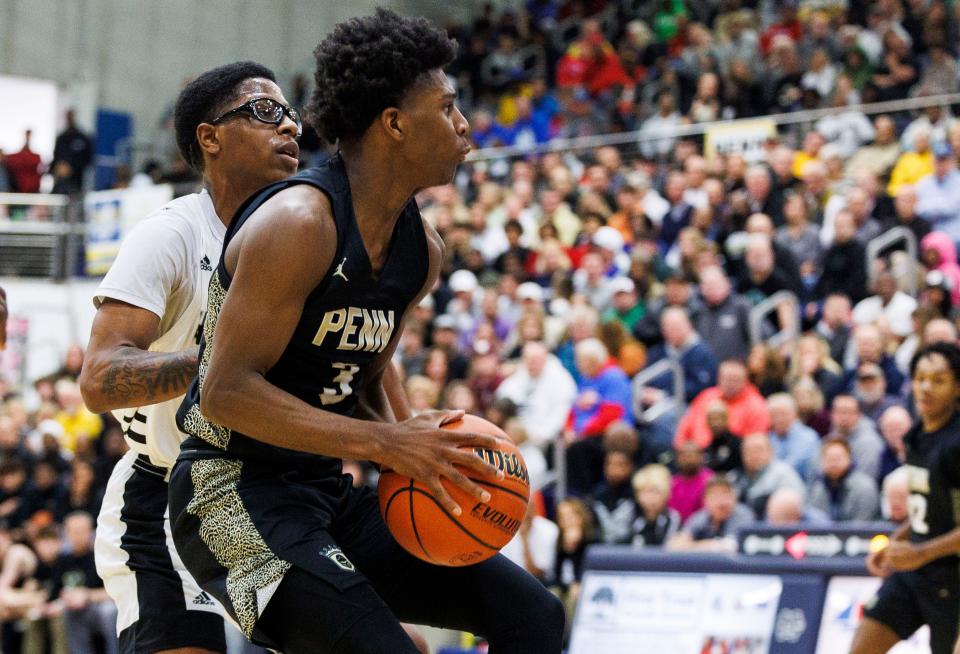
933,467
347,321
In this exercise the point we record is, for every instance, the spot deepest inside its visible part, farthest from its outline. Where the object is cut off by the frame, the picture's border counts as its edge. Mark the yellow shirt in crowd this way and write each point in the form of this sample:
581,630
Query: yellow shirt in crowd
81,423
911,167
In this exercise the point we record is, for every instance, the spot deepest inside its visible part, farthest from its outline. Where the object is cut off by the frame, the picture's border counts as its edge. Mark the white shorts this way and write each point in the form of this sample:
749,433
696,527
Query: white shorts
159,604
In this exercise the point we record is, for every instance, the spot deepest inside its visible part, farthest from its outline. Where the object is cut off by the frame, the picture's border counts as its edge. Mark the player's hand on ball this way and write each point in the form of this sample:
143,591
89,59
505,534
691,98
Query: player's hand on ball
425,452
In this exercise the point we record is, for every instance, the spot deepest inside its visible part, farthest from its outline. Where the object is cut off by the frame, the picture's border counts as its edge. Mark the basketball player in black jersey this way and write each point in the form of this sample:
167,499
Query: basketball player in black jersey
921,563
306,308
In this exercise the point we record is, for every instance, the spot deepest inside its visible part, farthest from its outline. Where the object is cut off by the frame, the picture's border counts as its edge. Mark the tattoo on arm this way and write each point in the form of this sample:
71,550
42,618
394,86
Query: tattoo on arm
136,377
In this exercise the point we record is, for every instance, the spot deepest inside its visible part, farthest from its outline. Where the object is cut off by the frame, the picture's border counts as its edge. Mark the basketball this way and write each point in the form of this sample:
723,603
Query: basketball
424,528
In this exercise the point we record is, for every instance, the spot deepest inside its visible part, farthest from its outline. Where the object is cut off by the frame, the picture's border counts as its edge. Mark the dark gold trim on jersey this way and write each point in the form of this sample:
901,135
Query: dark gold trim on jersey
229,533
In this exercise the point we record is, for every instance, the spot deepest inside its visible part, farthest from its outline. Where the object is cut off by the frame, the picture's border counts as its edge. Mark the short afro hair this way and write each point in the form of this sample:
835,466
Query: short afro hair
366,65
199,101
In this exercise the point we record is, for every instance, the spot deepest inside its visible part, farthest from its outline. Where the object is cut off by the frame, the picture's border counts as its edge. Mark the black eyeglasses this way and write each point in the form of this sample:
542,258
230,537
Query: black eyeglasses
266,110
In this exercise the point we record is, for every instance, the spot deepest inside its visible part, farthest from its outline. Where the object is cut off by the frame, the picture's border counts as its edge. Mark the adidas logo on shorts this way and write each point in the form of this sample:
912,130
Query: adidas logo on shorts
203,599
205,263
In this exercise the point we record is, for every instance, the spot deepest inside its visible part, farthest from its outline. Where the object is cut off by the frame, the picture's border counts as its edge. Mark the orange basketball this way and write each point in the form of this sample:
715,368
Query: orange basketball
423,526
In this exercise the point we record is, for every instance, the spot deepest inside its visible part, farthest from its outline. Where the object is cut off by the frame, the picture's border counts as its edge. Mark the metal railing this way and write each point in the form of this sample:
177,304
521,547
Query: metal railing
698,129
905,269
669,365
770,306
37,235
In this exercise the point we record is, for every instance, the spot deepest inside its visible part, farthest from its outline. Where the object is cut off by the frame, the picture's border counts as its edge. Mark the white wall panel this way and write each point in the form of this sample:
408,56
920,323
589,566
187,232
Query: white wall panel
136,52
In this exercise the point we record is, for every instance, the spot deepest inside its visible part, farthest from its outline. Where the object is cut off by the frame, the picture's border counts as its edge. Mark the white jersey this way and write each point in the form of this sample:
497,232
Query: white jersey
164,266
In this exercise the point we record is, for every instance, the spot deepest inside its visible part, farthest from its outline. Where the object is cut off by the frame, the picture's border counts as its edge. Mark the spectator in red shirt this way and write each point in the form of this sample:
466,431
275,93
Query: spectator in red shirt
591,62
788,24
24,168
745,405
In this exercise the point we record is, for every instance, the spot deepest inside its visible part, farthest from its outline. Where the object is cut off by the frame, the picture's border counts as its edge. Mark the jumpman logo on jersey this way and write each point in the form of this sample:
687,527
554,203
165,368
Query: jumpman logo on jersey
339,270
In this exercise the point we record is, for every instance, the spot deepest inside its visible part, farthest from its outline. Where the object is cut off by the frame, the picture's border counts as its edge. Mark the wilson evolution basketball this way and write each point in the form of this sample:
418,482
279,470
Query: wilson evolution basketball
427,530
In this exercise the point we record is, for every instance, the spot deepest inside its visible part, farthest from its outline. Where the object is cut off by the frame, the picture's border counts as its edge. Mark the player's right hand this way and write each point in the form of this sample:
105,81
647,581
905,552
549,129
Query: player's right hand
422,450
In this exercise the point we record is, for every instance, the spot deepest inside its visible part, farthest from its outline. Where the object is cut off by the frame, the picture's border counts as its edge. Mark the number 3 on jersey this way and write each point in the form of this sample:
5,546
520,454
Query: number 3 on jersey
342,380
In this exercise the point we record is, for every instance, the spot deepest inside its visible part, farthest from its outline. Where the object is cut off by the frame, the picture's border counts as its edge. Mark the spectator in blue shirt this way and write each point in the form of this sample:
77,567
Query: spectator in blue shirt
530,127
792,441
683,343
939,193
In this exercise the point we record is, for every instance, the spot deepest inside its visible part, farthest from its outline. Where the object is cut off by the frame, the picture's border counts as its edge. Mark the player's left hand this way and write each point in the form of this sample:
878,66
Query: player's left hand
904,556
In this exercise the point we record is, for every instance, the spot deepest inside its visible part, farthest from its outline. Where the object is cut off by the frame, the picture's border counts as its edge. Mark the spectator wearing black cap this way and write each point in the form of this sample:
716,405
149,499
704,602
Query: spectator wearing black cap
870,389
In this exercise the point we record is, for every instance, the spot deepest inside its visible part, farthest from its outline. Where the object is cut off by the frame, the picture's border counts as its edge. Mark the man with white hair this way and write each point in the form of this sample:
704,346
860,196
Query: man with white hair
894,424
787,508
543,392
792,441
603,391
895,496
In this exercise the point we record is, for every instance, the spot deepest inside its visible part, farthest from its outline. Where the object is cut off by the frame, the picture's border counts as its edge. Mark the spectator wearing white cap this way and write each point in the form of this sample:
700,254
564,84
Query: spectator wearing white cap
609,242
464,306
625,305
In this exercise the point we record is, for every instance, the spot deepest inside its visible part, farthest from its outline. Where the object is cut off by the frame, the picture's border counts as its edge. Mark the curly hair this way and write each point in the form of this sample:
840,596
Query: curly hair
368,64
201,98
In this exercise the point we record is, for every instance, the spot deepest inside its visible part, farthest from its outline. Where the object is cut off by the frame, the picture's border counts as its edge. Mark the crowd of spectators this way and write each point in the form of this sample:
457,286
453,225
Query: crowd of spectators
569,274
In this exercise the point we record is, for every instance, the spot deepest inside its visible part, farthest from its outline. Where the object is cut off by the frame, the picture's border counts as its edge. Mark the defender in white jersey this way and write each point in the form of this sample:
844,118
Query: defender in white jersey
233,124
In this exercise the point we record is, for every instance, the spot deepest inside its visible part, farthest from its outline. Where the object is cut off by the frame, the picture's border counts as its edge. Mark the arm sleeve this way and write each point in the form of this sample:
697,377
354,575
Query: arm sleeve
150,266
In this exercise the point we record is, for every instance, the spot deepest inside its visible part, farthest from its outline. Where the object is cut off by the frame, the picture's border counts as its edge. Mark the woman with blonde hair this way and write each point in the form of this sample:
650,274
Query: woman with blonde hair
656,522
811,358
423,394
810,405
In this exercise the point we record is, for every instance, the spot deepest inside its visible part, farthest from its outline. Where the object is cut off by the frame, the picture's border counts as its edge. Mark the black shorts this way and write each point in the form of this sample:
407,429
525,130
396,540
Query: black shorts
241,528
908,600
159,606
